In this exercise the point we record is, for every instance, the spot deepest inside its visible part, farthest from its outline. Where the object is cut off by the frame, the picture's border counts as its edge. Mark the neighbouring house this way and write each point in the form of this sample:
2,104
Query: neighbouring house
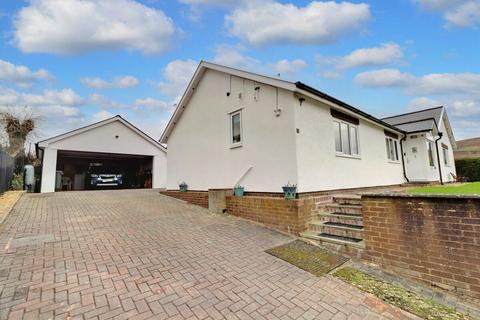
235,127
113,152
468,149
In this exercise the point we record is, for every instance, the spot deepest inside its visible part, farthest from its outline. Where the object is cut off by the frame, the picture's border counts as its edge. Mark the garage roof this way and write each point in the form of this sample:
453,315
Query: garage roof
44,143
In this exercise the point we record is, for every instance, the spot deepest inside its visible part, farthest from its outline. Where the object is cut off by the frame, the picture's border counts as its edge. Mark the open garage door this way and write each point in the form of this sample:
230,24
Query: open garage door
99,171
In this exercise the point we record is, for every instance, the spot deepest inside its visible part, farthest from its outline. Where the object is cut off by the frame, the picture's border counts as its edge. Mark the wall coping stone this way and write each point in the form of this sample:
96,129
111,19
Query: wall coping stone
420,195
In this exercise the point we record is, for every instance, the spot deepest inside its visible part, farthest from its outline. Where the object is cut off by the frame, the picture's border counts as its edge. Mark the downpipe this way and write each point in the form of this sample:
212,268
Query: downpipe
440,135
403,159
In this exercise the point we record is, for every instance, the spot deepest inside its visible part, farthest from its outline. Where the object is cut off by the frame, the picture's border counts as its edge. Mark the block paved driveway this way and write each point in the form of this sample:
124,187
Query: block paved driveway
137,255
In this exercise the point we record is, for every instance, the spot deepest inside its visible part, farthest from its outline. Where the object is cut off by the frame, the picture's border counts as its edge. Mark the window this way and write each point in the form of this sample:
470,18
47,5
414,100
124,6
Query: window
430,154
346,138
446,158
236,128
392,149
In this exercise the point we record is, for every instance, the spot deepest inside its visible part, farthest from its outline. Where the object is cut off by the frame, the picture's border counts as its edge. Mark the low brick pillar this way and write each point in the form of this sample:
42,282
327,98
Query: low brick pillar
433,239
217,199
199,198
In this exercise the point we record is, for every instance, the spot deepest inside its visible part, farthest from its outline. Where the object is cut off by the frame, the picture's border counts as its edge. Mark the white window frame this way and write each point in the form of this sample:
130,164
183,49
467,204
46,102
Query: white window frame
430,149
342,153
392,146
446,157
230,117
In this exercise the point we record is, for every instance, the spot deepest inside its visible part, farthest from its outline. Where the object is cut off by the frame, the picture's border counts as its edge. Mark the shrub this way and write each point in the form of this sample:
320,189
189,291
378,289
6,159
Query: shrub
468,168
17,181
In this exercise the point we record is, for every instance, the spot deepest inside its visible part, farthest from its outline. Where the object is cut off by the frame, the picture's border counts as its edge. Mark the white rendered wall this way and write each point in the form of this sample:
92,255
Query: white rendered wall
49,168
159,172
199,150
319,168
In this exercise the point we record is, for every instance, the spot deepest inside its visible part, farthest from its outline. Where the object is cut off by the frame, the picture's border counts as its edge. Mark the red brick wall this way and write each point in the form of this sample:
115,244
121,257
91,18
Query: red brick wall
199,198
434,239
292,216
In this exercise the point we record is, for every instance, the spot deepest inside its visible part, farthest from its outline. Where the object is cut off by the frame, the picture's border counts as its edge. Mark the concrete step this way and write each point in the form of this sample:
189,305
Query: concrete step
350,247
337,229
348,199
353,219
344,208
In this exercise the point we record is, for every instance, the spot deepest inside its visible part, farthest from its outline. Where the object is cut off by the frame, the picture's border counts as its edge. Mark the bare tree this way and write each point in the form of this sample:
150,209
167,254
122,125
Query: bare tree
17,127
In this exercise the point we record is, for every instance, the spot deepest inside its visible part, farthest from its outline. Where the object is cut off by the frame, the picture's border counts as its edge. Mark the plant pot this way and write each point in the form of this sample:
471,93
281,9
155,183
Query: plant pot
183,187
289,192
238,191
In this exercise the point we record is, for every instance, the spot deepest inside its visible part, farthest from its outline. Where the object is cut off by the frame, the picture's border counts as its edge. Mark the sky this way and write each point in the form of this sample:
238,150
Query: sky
74,62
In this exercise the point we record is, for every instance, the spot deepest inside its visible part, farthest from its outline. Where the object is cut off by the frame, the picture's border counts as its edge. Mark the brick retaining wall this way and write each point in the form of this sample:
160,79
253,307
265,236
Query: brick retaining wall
433,239
292,216
199,198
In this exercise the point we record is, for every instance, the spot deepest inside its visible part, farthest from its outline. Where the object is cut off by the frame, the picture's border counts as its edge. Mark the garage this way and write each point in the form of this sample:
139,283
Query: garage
110,154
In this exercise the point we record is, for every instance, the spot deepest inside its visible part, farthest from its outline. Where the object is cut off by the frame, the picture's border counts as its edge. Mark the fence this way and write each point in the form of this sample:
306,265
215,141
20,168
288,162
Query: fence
6,171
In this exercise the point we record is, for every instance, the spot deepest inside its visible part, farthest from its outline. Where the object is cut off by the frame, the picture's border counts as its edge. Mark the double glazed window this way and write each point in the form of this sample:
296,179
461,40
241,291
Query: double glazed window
346,138
236,138
430,154
446,158
392,149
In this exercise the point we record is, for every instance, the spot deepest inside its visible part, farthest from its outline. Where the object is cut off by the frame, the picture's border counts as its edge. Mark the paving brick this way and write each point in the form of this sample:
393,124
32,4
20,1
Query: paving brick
140,255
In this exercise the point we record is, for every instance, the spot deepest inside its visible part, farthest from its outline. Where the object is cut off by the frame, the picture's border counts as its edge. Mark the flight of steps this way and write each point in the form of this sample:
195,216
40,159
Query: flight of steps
340,226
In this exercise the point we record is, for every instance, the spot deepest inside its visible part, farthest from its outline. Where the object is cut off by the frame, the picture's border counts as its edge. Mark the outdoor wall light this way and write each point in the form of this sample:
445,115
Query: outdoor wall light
301,100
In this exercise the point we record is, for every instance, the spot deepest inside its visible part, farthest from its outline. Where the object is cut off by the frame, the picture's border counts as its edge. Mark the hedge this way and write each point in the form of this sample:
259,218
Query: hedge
468,169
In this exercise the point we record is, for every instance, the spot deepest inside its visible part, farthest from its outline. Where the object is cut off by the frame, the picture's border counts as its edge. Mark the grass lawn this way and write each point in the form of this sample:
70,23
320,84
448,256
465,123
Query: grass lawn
463,188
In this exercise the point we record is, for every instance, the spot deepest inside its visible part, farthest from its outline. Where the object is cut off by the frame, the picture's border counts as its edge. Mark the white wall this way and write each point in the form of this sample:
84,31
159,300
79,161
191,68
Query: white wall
49,168
447,171
319,168
103,139
199,150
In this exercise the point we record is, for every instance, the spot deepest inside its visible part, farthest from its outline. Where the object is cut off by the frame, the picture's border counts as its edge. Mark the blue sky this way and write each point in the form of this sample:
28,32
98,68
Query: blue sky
74,62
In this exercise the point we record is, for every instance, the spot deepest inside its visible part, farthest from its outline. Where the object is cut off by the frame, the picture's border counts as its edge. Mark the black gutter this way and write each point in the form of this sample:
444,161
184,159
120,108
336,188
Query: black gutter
342,104
403,159
440,135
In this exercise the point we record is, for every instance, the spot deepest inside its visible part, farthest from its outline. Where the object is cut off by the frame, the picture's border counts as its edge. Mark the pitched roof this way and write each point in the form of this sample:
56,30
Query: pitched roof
44,143
422,120
297,87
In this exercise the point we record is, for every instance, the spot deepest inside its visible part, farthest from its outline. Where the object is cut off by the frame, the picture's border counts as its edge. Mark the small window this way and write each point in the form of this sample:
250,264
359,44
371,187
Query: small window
236,128
392,149
446,158
430,154
346,138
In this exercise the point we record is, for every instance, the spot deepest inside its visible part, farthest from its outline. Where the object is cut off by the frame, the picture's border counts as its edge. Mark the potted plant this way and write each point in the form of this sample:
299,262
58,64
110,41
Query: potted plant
183,186
290,191
238,190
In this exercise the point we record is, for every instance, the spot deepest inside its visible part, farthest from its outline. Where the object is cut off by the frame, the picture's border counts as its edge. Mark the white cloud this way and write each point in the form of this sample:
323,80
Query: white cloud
217,3
385,54
118,82
105,103
285,66
317,23
101,115
21,75
152,104
384,78
177,75
430,84
79,26
233,56
66,97
422,103
456,13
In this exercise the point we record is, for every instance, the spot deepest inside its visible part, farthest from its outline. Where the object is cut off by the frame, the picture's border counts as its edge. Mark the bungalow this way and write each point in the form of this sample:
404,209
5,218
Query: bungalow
235,127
